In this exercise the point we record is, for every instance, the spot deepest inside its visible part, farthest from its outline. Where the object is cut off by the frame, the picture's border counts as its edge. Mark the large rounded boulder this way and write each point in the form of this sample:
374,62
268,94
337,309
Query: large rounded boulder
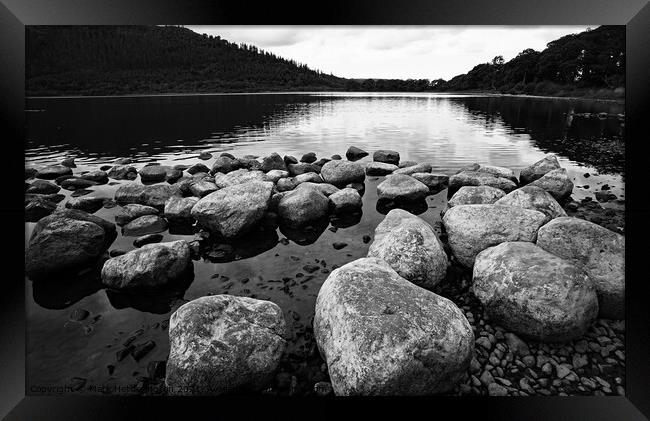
303,206
599,251
535,198
480,178
401,187
411,247
475,195
386,156
234,210
149,267
222,343
538,169
557,183
473,228
534,293
383,335
342,173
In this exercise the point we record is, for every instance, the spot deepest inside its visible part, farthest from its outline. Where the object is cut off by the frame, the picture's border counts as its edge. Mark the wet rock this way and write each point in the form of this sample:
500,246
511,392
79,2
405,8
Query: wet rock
77,183
129,193
477,178
236,177
604,196
386,156
535,198
275,175
60,244
413,169
122,172
205,156
405,164
309,157
132,211
151,266
79,314
557,183
302,168
500,172
366,239
303,206
38,208
380,168
140,350
249,163
53,171
326,188
435,182
147,239
410,247
308,177
30,173
597,250
382,335
341,173
179,209
153,173
400,187
339,245
473,228
353,153
234,210
225,164
345,200
43,187
198,168
336,157
97,176
148,224
289,159
172,175
475,195
534,293
90,204
322,162
156,195
202,188
538,169
245,337
123,161
286,184
273,162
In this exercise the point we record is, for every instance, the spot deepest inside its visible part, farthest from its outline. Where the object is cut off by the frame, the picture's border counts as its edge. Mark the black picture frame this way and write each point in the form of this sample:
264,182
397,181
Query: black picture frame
635,14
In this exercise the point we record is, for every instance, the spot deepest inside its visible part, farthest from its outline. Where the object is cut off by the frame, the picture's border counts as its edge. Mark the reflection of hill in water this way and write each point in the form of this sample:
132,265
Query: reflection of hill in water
556,126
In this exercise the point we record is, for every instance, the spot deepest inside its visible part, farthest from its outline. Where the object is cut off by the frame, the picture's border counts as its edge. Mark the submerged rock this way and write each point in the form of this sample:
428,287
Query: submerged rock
222,343
534,293
557,183
473,228
234,210
597,250
302,206
74,183
151,266
400,187
354,153
411,247
535,198
475,195
382,335
341,173
97,176
90,204
386,156
380,168
345,200
538,169
147,224
132,211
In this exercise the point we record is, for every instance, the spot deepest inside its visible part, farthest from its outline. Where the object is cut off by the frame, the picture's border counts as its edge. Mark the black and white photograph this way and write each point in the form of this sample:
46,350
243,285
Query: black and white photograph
290,210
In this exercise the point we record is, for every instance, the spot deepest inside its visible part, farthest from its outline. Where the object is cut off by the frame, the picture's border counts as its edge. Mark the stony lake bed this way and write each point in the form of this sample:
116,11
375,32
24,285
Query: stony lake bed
93,339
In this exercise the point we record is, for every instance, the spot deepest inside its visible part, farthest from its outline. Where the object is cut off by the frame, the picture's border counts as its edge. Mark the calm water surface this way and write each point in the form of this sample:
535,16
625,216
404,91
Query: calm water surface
449,131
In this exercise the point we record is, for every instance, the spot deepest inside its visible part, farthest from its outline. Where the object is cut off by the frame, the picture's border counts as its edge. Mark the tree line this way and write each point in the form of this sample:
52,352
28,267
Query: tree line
93,60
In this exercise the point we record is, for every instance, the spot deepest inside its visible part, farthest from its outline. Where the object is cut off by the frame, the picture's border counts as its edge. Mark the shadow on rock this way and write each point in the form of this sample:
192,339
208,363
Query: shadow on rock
220,250
416,207
305,235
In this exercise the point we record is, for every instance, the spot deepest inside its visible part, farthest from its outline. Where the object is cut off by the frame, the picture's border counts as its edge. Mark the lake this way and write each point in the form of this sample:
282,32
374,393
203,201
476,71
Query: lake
448,131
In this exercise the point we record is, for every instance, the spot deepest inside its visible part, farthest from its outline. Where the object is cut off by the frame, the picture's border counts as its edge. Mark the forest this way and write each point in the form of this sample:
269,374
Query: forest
112,60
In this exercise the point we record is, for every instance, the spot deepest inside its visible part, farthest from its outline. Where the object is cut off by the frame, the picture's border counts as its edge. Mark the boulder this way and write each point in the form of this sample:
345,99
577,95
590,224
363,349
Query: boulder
147,224
198,168
153,173
405,164
75,183
386,156
417,168
275,175
249,163
475,195
326,188
411,248
122,172
109,228
225,164
286,184
597,250
53,171
60,244
38,208
202,188
90,204
69,162
147,239
132,211
179,209
382,335
172,175
535,198
234,210
557,183
97,176
222,343
238,177
478,178
435,182
302,206
309,157
149,267
129,193
345,200
43,187
302,168
538,169
289,159
123,161
157,195
341,173
473,228
273,162
308,177
205,155
354,153
400,187
534,293
380,168
501,172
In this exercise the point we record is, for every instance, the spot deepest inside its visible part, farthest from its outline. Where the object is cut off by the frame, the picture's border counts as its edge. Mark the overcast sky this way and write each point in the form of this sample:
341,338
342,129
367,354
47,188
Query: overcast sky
393,52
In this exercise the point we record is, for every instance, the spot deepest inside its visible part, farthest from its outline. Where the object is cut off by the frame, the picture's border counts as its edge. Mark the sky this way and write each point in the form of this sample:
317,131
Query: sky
393,52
